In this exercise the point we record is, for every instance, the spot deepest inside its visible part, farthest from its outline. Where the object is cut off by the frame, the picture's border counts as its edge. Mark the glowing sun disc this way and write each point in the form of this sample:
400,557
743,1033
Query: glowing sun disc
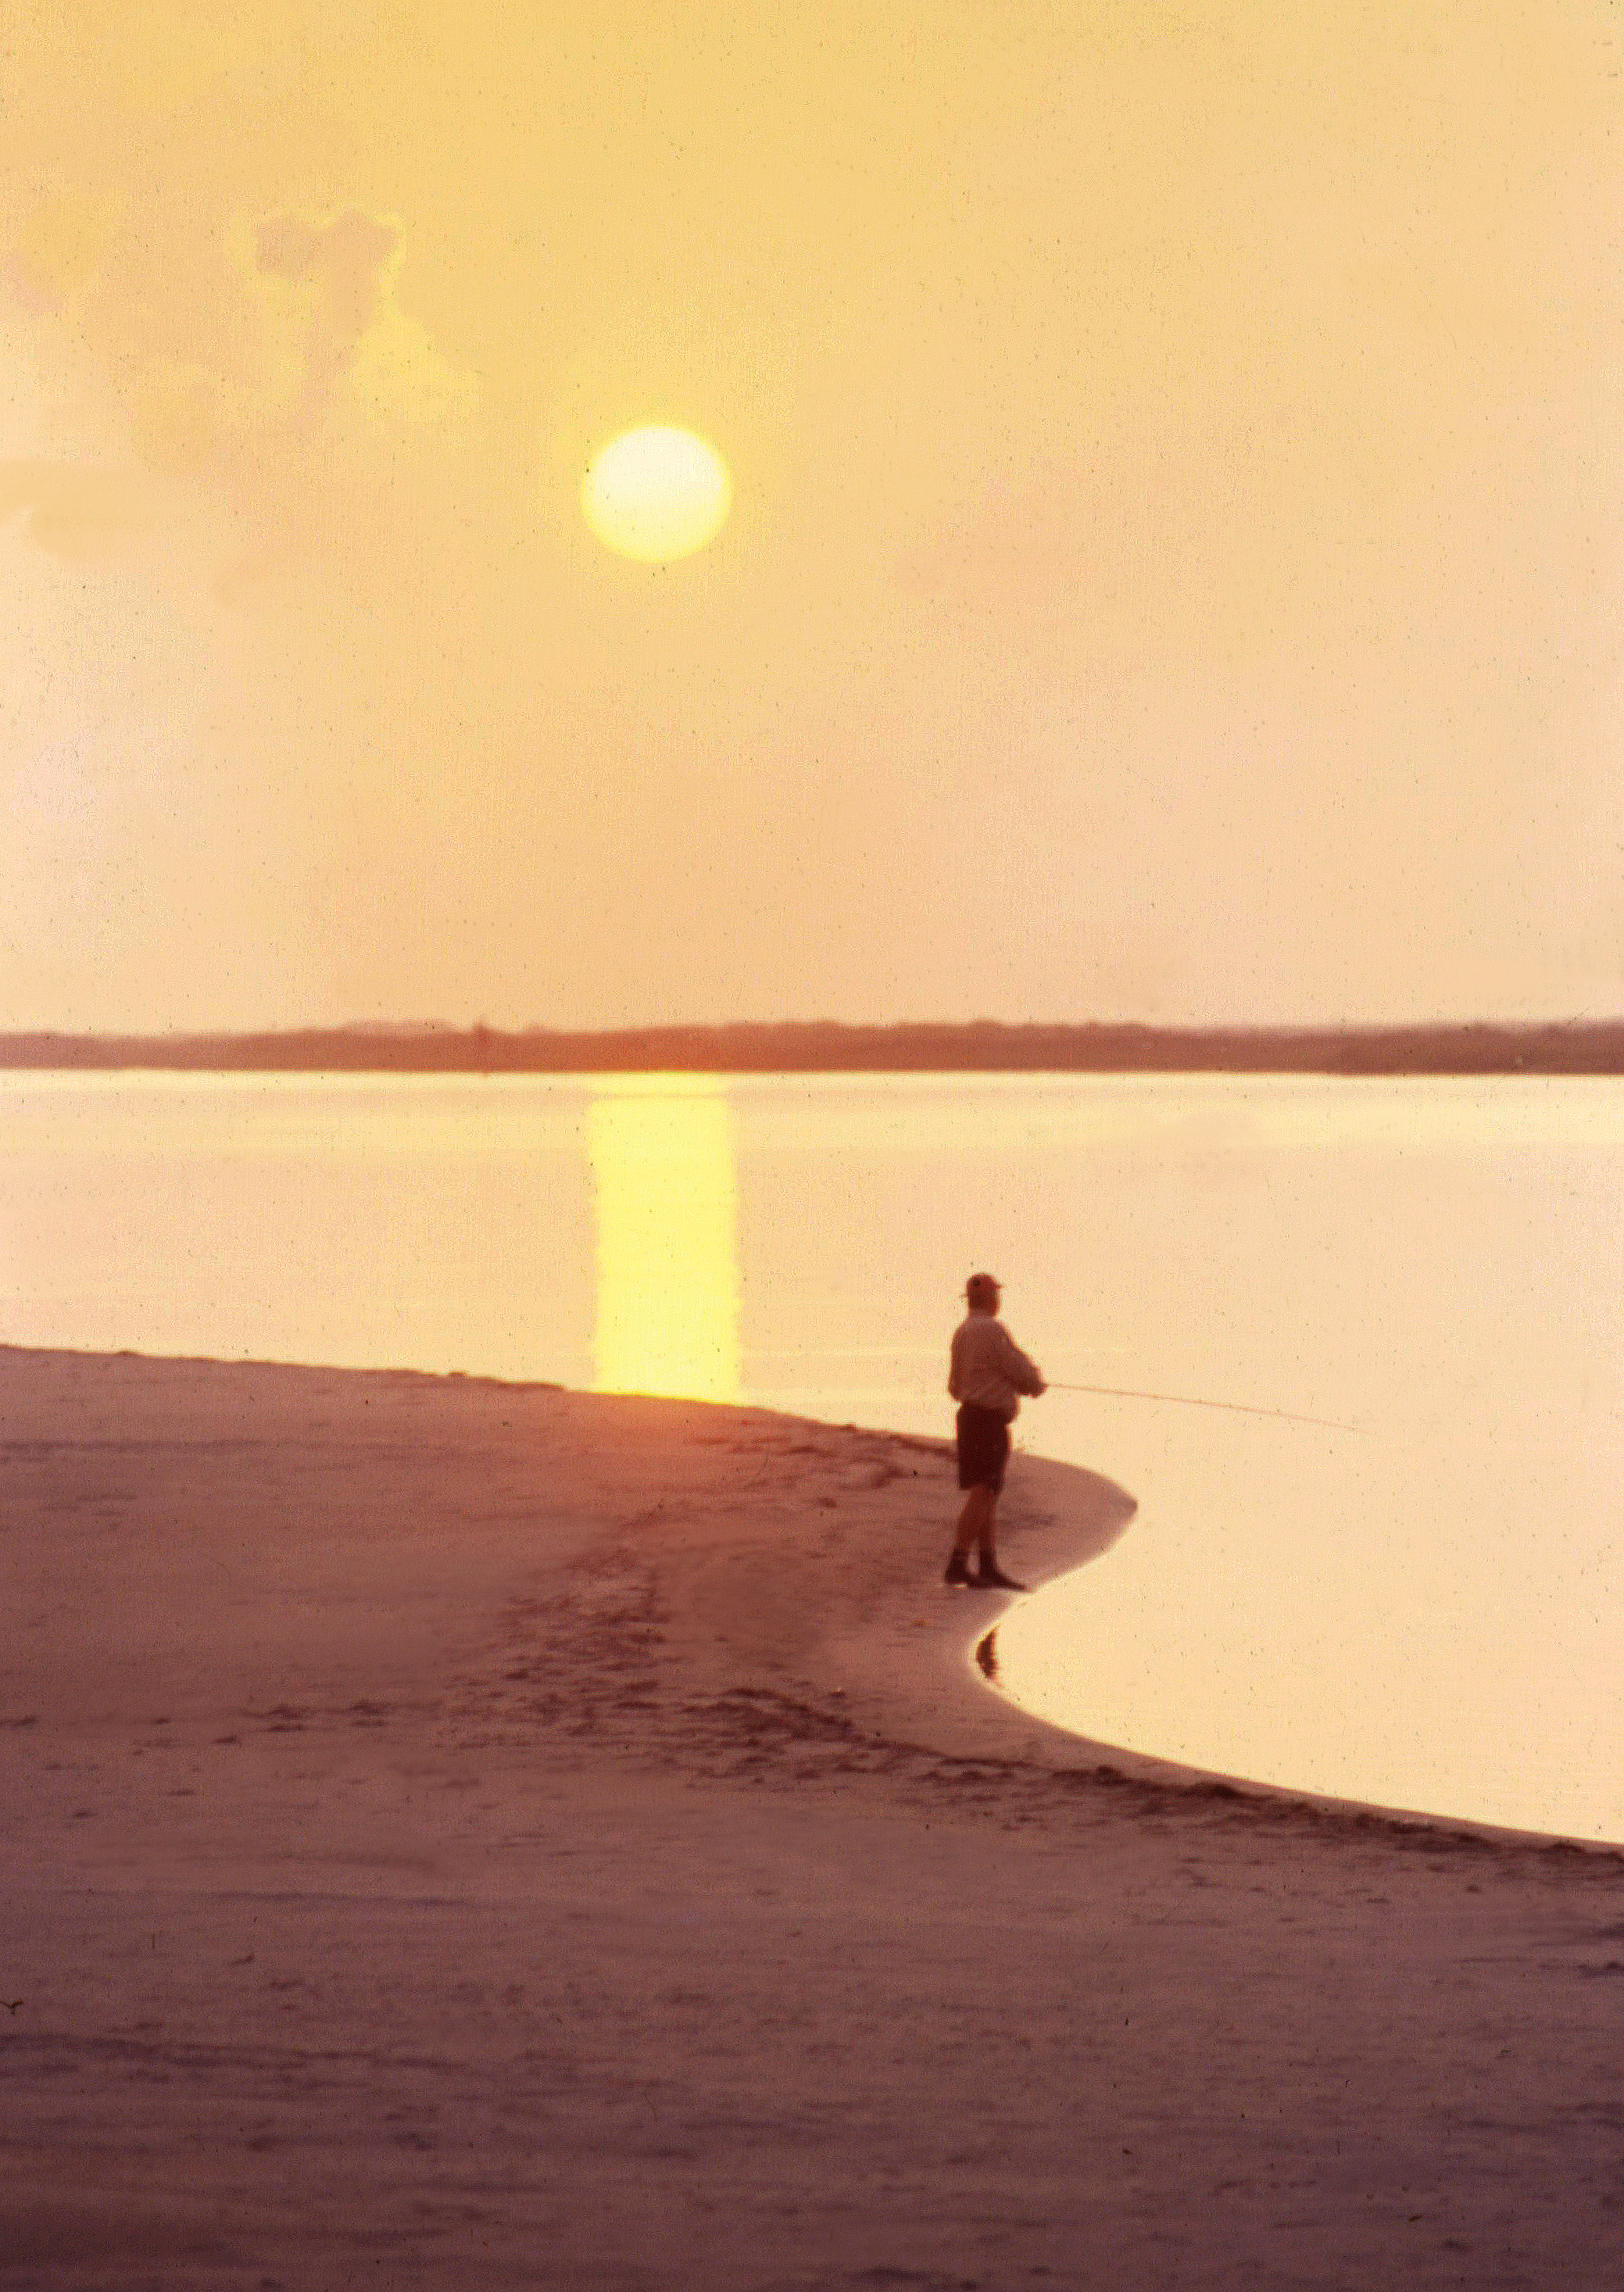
656,494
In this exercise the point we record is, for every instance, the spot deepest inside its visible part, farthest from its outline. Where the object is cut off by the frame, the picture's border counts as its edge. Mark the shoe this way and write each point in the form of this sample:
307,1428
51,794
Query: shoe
994,1579
957,1573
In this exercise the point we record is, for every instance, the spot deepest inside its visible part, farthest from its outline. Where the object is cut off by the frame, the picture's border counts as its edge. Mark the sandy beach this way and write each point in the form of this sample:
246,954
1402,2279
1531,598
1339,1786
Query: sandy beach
473,1835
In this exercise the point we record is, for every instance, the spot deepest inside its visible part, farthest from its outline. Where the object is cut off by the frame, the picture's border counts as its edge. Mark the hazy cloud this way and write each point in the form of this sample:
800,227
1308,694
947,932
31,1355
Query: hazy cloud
337,273
54,250
332,309
72,512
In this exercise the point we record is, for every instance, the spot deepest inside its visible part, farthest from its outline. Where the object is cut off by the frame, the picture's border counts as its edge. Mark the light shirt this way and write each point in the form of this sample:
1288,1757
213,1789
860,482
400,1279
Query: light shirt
986,1367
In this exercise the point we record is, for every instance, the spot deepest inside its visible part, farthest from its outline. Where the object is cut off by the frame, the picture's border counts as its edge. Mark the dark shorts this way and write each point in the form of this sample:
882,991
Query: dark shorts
983,1448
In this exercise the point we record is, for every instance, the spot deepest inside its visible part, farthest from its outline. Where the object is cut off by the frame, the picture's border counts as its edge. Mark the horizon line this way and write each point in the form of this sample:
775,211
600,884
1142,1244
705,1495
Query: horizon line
1560,1045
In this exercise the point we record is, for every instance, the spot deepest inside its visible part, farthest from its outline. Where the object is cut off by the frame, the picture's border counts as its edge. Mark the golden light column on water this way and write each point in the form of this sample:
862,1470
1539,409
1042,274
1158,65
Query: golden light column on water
661,1151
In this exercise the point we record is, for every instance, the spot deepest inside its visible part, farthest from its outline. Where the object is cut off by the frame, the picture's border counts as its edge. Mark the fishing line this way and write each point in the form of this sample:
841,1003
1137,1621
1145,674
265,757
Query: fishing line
1189,1400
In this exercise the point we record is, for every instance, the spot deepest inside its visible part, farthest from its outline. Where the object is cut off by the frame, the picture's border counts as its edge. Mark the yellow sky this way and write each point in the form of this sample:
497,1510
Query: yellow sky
1175,568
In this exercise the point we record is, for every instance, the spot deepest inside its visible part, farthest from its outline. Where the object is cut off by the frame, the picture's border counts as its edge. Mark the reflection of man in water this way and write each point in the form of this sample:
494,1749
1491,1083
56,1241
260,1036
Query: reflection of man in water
987,1373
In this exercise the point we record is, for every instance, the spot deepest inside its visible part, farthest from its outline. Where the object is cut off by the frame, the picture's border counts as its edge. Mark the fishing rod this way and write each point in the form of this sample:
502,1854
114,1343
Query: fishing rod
1189,1400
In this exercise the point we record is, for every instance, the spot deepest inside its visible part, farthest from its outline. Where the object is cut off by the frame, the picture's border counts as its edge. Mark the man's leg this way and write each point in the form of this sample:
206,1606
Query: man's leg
969,1533
971,1528
990,1572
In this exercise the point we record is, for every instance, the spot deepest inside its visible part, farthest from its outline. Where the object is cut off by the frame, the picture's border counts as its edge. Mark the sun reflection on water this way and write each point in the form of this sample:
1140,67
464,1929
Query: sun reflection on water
666,1196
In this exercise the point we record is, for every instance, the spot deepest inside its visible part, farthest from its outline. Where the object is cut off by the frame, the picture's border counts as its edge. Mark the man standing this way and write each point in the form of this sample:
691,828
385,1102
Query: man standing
986,1373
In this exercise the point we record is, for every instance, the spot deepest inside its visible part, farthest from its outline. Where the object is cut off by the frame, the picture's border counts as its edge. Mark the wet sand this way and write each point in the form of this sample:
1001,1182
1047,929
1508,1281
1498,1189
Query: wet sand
467,1835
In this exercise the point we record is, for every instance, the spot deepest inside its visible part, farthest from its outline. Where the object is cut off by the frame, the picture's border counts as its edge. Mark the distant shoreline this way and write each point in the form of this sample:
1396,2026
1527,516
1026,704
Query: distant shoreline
818,1046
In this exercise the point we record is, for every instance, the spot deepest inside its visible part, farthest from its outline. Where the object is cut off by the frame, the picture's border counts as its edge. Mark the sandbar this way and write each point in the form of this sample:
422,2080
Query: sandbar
464,1835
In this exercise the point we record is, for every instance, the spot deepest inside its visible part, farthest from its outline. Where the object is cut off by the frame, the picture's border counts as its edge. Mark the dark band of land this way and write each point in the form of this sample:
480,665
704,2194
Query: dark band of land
823,1046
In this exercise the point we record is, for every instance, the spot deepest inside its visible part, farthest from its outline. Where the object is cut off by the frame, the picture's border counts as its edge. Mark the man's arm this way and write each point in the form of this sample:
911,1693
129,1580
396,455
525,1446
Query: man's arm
1024,1375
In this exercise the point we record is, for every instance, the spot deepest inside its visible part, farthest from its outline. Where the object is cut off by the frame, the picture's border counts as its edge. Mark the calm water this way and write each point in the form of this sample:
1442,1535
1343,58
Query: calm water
1424,1613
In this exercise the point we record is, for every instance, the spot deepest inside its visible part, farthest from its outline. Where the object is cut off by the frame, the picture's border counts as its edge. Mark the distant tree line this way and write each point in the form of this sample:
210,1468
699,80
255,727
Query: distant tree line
825,1047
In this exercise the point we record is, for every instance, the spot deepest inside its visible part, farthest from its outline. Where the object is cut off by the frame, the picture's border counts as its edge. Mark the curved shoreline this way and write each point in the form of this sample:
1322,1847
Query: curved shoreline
524,1554
1119,1765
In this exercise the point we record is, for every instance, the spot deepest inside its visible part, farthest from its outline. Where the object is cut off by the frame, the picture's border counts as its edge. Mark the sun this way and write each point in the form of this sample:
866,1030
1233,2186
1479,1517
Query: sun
657,493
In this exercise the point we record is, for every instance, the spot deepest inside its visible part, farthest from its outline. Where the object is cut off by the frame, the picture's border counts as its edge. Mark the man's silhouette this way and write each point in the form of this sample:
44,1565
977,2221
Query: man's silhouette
987,1373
